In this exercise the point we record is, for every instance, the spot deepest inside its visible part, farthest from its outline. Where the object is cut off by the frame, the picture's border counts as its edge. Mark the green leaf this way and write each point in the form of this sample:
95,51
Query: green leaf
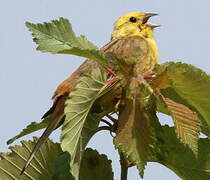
62,167
41,167
134,136
34,126
95,166
187,124
80,124
180,159
187,85
58,37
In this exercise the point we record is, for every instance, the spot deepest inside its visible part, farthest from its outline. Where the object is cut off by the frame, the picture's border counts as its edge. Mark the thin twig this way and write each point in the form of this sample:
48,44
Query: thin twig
106,122
124,168
111,118
103,128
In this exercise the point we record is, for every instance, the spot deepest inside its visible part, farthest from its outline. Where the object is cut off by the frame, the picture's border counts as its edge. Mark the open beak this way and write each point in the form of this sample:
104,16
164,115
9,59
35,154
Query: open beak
147,17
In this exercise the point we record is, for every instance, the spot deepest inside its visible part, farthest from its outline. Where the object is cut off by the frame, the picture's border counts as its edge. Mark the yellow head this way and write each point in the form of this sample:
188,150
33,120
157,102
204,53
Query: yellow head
132,24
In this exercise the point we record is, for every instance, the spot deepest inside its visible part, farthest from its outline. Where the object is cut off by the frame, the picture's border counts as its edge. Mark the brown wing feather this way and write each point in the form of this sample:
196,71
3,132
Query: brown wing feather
69,84
134,50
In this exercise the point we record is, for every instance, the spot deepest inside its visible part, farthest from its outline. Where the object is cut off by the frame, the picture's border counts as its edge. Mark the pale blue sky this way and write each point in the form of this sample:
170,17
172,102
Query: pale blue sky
28,78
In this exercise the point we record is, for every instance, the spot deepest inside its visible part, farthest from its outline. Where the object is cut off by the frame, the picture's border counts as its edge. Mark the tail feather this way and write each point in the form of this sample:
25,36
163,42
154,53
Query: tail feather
52,109
55,121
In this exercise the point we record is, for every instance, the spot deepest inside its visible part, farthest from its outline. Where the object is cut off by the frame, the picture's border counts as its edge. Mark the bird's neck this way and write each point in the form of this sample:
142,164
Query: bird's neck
125,32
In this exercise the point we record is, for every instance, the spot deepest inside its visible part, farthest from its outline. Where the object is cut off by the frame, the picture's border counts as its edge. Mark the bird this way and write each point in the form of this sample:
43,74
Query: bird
132,41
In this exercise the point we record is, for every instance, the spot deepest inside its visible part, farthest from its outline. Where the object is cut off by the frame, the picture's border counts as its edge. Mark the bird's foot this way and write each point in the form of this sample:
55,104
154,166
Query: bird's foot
110,71
111,81
149,76
141,78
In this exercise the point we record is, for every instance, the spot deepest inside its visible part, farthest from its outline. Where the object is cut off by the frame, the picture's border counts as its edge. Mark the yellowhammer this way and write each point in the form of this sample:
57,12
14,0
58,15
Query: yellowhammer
132,41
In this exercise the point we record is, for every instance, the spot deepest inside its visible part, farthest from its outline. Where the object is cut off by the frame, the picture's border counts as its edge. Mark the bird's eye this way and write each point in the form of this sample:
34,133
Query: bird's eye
133,19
